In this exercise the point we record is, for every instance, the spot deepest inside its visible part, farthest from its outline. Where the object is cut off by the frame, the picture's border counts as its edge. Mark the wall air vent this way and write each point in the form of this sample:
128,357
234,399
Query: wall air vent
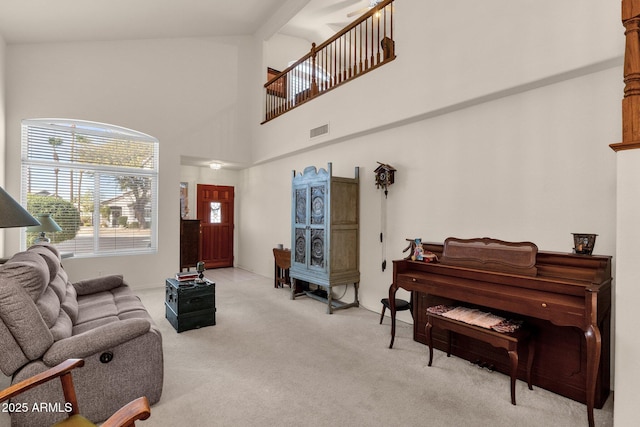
320,130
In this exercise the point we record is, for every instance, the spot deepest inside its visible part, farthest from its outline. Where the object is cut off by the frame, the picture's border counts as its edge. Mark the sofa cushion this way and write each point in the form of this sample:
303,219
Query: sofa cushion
49,306
46,246
11,357
59,286
106,307
28,271
70,303
62,328
51,257
17,308
97,306
99,284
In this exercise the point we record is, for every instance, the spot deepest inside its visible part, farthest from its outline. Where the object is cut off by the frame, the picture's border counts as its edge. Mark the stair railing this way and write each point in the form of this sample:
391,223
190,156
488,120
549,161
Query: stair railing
364,45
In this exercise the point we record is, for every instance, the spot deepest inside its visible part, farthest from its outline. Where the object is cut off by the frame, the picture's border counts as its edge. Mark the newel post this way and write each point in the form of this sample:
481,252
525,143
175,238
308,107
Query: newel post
314,81
631,100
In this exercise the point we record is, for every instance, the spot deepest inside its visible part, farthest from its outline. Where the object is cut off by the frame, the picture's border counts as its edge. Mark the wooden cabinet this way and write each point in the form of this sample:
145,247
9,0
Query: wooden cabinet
189,243
325,232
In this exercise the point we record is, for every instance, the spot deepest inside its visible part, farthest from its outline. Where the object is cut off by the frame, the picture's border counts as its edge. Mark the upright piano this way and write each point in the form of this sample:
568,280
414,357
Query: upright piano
565,297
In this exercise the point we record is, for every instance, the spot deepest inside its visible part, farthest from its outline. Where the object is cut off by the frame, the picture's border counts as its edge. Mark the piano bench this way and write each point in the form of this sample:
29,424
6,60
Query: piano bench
508,341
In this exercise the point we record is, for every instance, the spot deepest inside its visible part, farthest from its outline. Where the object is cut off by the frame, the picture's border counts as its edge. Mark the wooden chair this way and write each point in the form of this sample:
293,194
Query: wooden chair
282,265
126,416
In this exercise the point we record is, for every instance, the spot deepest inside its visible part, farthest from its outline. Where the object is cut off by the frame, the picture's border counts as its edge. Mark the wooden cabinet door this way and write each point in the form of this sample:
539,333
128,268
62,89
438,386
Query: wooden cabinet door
215,211
309,229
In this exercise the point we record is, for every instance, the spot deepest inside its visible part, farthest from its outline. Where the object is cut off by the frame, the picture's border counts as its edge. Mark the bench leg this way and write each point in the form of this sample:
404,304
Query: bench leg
429,341
448,343
513,356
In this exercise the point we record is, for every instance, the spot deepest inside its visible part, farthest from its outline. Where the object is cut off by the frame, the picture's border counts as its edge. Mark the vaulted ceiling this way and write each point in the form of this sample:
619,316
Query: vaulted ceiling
45,21
38,21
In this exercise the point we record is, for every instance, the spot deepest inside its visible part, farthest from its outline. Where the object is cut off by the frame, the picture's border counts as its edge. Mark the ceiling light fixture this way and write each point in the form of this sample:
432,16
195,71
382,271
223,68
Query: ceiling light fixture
215,166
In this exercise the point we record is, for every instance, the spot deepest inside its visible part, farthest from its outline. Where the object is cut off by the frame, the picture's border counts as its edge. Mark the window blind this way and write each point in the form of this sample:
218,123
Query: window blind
97,181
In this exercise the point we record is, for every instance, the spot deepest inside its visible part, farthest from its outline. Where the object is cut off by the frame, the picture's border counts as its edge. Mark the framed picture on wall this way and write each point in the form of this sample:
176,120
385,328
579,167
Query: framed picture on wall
184,200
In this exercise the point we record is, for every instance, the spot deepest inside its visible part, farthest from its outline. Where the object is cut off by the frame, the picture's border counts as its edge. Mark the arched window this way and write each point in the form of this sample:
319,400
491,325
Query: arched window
98,182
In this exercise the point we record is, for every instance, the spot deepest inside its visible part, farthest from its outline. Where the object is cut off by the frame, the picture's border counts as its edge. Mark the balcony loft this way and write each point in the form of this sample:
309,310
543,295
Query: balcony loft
362,46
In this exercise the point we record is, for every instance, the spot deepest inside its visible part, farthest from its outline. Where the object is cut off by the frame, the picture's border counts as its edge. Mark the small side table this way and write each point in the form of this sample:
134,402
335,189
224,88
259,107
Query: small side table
282,262
190,305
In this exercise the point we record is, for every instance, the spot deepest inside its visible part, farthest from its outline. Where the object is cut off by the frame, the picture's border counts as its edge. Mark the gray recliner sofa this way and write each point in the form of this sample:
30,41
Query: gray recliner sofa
45,319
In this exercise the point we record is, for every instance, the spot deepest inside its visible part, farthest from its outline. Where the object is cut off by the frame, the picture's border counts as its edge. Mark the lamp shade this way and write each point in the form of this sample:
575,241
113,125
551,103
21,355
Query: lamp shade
47,224
12,214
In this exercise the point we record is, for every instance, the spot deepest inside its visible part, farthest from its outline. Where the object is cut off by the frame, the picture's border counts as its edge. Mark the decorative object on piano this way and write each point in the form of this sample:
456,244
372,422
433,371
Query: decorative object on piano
418,251
428,256
384,176
410,248
583,243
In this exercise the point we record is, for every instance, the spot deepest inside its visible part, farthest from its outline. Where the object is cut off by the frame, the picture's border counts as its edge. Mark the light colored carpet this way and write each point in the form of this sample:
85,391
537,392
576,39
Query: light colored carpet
271,361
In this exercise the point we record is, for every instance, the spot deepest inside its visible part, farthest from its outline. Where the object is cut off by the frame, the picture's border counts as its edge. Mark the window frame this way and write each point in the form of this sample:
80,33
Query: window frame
101,133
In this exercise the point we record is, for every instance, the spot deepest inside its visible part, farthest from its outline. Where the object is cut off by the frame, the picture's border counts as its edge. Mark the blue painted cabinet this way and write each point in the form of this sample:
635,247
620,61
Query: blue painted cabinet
325,233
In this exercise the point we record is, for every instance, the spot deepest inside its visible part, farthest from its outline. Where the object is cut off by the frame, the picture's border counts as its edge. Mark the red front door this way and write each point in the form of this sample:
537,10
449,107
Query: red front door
215,212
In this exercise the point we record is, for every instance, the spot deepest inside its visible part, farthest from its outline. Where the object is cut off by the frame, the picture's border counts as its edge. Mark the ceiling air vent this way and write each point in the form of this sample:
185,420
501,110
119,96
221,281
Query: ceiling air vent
320,130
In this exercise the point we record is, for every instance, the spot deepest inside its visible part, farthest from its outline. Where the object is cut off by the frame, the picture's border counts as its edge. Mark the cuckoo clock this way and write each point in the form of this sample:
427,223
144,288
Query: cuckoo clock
384,176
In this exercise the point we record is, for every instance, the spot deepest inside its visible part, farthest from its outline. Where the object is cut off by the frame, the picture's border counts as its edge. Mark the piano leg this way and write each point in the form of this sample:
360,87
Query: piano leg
513,357
428,331
594,343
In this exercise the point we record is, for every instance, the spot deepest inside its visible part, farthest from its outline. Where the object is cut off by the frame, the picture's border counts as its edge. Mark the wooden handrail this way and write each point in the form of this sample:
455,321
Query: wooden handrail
362,46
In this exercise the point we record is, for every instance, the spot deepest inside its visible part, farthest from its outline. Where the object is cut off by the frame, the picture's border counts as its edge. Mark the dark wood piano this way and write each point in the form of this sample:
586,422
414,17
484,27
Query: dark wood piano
565,297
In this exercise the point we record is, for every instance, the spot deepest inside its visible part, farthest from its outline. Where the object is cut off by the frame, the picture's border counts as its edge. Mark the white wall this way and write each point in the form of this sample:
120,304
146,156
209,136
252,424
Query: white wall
450,54
534,166
627,324
182,91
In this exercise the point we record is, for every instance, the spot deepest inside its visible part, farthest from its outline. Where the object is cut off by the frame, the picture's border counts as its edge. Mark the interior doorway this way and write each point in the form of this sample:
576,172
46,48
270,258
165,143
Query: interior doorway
215,211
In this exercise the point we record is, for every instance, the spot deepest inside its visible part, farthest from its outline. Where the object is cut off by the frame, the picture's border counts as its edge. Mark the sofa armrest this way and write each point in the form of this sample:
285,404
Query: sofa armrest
98,284
96,340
